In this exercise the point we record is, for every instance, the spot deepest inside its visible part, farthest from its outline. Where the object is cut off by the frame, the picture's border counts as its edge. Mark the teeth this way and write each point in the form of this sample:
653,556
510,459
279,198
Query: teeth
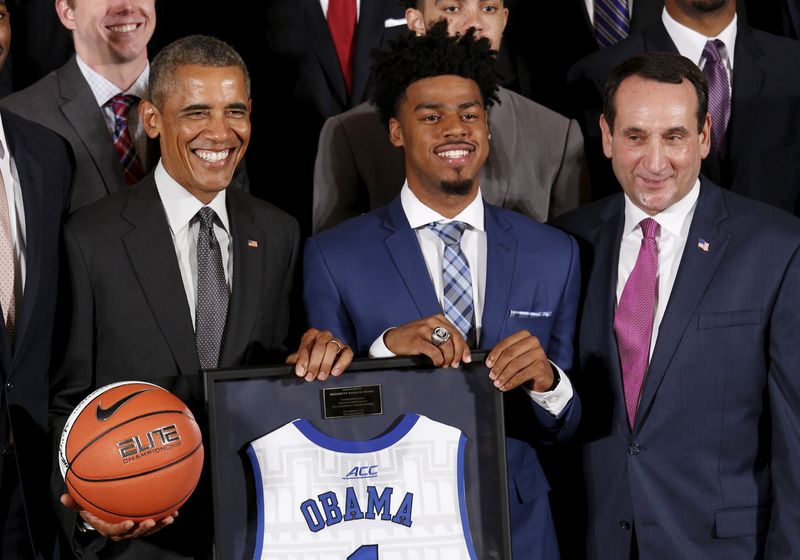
208,155
453,154
127,28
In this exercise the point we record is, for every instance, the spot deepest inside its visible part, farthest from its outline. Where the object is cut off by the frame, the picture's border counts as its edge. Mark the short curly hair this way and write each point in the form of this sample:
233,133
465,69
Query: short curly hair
411,58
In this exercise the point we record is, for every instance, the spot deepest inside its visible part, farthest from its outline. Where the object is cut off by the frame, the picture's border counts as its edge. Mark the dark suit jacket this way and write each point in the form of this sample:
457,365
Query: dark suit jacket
535,163
297,85
44,169
63,101
709,469
762,158
544,39
131,320
368,274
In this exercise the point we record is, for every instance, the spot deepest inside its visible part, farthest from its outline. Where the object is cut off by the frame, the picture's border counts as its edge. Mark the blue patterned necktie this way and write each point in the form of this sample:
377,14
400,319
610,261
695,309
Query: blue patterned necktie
612,21
211,308
456,278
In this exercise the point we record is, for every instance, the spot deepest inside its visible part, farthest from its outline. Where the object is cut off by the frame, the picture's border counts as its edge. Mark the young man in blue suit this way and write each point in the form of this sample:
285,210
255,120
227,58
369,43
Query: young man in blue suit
688,340
388,284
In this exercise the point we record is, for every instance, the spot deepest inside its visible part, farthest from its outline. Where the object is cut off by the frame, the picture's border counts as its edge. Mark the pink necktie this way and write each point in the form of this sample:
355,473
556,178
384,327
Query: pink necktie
342,25
8,265
633,320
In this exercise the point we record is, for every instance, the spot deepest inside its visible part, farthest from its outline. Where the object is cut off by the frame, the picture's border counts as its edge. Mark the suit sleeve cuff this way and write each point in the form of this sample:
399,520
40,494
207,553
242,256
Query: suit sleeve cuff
379,349
556,400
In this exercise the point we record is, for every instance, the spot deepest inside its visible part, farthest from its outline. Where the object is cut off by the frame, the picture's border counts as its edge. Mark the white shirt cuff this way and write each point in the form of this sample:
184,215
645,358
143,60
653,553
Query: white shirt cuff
552,401
379,349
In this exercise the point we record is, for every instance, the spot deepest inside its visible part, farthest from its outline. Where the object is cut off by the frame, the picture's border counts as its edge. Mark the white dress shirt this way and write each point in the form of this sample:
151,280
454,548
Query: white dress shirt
671,239
324,4
690,43
590,9
181,208
473,245
16,214
103,90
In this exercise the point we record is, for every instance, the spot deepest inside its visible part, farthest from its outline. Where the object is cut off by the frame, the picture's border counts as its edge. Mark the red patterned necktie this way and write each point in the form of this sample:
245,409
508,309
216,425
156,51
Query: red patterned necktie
123,141
633,320
342,25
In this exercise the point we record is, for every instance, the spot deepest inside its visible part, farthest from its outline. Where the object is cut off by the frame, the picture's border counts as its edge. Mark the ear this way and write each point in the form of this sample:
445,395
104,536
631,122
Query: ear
395,133
65,14
606,135
705,137
415,21
150,117
505,18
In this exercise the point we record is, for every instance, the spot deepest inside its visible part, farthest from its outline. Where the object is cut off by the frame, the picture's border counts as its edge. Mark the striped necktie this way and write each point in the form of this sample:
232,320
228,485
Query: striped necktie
612,21
719,93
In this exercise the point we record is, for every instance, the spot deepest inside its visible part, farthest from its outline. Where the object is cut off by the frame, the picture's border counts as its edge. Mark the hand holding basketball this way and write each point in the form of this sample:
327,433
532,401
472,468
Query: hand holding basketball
118,531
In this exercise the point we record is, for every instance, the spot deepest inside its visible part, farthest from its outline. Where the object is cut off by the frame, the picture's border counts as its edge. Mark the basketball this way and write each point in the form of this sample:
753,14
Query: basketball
131,450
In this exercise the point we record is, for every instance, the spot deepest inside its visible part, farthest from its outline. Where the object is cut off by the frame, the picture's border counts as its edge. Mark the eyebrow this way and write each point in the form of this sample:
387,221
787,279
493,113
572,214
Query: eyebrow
205,107
465,105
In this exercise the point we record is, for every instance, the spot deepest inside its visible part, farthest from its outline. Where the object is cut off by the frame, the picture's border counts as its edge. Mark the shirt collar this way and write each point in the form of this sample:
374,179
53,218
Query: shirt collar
690,43
103,90
419,215
4,155
671,219
181,206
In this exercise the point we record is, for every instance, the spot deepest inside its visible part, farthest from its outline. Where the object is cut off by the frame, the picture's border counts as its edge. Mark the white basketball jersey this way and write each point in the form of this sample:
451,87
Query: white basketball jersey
396,497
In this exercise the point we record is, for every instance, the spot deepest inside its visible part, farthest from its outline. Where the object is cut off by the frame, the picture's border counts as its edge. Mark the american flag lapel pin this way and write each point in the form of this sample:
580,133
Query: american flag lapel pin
703,245
254,244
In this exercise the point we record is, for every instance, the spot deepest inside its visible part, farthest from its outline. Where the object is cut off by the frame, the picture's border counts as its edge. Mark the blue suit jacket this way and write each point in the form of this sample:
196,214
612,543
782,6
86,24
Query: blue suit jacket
369,274
710,469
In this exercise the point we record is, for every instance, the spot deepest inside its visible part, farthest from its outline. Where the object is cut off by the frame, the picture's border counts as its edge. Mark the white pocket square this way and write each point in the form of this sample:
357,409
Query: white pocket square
394,22
514,314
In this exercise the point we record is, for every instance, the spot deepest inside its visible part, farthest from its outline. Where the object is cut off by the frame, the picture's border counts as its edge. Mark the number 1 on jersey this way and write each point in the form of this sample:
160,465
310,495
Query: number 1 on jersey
365,552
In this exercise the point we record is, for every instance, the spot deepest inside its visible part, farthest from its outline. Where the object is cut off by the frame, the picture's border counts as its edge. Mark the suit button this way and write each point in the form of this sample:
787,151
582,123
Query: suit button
633,449
624,525
9,385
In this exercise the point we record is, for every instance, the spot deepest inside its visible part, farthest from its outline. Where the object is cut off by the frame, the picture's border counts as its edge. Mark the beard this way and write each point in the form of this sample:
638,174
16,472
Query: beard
708,5
459,187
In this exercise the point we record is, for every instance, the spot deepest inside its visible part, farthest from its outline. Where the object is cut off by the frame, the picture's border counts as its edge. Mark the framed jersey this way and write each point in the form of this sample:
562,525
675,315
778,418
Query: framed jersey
414,470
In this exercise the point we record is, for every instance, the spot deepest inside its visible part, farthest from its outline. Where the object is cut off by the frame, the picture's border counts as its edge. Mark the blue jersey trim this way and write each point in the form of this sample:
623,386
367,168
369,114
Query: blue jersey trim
462,498
345,446
260,502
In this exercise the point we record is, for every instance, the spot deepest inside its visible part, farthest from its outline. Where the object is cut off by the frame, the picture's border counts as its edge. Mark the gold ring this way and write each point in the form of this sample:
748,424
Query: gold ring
338,344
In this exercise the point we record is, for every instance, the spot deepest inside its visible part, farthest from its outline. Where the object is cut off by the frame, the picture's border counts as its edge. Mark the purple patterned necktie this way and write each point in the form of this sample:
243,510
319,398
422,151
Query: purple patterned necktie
633,320
612,22
719,93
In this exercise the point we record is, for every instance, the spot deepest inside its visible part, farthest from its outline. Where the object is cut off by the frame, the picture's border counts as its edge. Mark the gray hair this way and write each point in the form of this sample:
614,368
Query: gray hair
198,50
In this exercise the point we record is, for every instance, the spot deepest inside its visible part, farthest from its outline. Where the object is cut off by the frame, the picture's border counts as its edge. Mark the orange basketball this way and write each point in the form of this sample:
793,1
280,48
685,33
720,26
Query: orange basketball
131,450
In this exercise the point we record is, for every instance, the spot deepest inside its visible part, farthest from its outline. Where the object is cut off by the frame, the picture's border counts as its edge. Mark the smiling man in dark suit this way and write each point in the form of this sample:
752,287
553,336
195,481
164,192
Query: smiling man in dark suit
177,274
439,271
35,178
759,149
688,346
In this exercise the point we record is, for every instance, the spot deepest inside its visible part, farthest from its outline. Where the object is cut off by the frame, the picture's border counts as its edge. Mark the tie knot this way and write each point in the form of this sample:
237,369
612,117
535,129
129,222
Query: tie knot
649,227
121,104
450,232
712,50
207,216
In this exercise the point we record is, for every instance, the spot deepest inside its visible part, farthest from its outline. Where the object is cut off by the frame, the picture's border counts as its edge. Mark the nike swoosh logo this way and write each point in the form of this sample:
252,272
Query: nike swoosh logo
106,413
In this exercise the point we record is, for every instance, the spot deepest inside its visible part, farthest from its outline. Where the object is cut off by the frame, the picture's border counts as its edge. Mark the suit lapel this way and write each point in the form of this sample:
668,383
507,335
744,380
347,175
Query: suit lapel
601,293
152,255
320,37
501,255
495,178
696,270
403,248
249,260
370,28
92,131
31,180
748,79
